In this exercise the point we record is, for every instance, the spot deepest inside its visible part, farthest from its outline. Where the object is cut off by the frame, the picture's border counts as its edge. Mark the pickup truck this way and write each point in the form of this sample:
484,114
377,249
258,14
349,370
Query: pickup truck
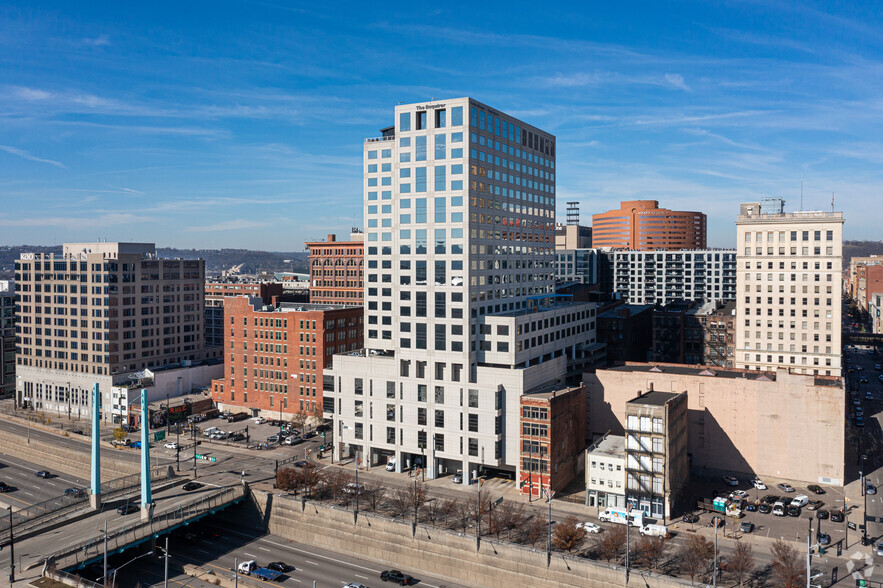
239,416
250,568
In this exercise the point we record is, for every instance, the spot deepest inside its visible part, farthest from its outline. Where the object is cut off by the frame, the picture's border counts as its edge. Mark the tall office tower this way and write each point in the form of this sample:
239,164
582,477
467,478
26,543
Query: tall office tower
788,288
7,338
97,312
461,315
642,225
336,269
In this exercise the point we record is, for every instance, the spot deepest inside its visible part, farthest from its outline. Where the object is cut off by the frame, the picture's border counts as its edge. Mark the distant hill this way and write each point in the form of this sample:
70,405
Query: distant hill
860,249
216,260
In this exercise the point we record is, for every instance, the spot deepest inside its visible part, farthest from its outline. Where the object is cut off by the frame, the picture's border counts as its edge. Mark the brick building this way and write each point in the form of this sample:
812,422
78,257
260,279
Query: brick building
275,355
720,336
553,438
215,294
336,270
642,225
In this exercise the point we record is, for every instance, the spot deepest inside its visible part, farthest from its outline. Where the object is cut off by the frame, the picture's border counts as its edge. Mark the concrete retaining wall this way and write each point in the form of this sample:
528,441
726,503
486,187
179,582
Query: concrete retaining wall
74,460
439,552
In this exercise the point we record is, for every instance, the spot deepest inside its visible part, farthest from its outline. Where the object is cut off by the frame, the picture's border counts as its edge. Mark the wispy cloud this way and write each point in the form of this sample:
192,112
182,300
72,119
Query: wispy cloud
99,41
25,155
231,225
676,80
104,220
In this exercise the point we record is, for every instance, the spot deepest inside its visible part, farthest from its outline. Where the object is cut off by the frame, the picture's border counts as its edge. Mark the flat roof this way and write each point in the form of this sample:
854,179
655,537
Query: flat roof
551,391
541,309
633,309
654,398
693,370
610,445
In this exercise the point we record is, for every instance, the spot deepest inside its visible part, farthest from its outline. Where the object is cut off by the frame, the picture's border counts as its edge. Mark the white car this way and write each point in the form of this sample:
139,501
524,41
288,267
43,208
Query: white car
589,527
739,494
800,500
758,484
259,420
355,585
730,480
171,445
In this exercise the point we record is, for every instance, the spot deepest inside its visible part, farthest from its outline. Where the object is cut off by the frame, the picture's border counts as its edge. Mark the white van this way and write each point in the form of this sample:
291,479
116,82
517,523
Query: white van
391,465
800,500
247,567
654,530
210,431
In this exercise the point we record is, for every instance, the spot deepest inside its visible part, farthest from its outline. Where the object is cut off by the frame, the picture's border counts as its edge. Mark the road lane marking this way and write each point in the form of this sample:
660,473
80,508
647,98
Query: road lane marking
204,551
249,554
264,548
360,576
311,562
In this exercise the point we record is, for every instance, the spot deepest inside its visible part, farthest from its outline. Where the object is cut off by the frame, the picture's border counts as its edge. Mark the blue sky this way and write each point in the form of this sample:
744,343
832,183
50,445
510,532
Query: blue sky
240,123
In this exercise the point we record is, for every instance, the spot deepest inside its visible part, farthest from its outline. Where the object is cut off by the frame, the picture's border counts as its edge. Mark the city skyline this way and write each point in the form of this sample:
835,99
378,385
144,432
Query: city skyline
136,120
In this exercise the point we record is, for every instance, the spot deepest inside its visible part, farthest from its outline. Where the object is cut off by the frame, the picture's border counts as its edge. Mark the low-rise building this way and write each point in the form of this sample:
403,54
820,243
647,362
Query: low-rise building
553,429
627,330
216,291
777,424
720,336
605,472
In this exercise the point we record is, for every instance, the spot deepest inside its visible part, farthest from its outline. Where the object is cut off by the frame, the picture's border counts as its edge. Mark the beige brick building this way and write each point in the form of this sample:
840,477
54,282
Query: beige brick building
788,289
775,424
97,312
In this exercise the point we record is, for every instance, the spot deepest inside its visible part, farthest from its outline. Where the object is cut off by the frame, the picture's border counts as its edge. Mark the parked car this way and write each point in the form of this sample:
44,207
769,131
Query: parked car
758,484
750,507
814,505
691,518
859,421
730,480
870,488
836,516
764,508
310,434
880,548
259,420
800,500
590,527
785,487
190,486
273,439
74,492
303,464
355,585
793,511
77,432
821,514
391,465
293,440
4,487
746,527
738,494
457,478
43,474
779,509
127,508
816,489
397,576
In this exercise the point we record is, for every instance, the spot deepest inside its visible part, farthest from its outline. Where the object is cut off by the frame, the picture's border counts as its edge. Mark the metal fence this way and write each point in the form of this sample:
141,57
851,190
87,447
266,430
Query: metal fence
134,533
71,579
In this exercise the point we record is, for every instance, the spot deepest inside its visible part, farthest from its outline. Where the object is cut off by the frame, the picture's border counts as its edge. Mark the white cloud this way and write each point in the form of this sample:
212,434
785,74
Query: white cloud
103,220
100,41
25,155
677,80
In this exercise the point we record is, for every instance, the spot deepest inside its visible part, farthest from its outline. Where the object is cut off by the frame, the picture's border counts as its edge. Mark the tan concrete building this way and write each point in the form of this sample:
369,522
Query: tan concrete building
97,312
779,425
788,288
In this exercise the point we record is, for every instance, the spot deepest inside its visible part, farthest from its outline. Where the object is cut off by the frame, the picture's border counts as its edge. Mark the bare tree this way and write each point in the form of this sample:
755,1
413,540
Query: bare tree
695,555
372,496
651,549
289,479
740,565
568,535
403,501
435,509
787,565
462,515
610,543
483,509
336,480
298,420
534,529
510,515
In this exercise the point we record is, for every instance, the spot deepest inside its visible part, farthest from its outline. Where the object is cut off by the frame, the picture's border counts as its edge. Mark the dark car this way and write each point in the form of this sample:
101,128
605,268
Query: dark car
793,511
824,539
746,527
127,508
273,439
310,434
303,464
764,508
189,486
74,492
43,474
397,576
870,488
770,499
814,505
815,489
822,514
836,516
4,487
691,518
77,432
278,566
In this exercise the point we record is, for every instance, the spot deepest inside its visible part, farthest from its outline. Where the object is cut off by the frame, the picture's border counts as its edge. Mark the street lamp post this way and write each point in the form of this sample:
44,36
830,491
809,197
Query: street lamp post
865,494
11,549
423,454
549,544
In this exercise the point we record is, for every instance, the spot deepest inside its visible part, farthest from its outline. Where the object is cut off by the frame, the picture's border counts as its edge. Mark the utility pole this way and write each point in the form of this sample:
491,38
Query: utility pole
714,578
235,573
166,583
549,547
358,488
478,530
808,550
105,553
414,529
628,542
11,549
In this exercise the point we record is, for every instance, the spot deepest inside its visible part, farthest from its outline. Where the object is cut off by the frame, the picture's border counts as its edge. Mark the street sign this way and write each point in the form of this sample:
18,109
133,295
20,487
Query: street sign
159,435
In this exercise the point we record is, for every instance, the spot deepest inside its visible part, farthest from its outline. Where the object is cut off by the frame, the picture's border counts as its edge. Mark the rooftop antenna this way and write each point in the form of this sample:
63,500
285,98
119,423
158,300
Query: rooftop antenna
832,201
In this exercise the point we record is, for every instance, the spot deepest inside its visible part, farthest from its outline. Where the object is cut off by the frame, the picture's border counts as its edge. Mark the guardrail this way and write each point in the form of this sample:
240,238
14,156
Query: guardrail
135,533
60,506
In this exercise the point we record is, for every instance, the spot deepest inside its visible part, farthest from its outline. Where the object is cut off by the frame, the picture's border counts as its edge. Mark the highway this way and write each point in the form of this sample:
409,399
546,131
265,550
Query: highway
27,488
216,543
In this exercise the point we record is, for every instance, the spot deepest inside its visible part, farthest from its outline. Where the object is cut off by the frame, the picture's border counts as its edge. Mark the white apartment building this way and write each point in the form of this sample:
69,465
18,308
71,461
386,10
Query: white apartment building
576,265
605,472
788,308
460,312
661,276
